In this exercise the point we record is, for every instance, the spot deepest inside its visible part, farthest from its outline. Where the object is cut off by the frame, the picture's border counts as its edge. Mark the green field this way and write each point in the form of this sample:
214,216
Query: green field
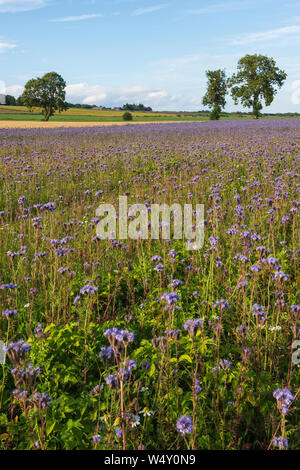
21,113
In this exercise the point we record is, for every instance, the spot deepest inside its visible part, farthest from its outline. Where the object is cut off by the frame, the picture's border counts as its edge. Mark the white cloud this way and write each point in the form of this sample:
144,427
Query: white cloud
78,18
268,35
13,6
296,92
204,60
14,90
219,8
158,94
97,94
145,11
87,94
5,46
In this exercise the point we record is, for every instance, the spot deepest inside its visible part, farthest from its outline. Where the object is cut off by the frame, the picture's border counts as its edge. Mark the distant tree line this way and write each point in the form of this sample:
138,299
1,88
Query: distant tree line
82,106
12,101
136,107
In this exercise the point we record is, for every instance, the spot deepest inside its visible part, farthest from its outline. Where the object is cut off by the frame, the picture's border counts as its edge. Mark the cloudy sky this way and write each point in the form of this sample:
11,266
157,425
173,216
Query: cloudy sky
150,51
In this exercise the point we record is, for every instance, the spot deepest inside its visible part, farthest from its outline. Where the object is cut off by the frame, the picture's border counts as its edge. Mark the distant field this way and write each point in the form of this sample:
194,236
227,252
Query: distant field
21,113
97,118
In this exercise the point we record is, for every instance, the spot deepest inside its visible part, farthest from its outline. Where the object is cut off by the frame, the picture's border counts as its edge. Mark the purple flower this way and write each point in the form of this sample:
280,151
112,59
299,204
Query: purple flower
159,268
284,399
118,432
176,283
184,425
112,381
197,387
106,352
171,298
280,442
225,364
192,326
9,313
41,400
88,289
156,258
222,304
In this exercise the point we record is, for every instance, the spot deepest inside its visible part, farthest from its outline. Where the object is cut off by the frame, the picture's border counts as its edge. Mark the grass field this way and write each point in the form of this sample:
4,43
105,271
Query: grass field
21,113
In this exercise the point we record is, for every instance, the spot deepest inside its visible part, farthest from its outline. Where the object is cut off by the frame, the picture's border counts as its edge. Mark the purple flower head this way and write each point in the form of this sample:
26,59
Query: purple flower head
174,334
280,442
171,298
118,338
176,283
156,258
192,326
40,400
96,439
106,352
184,425
197,387
39,331
284,399
243,330
112,381
159,342
159,268
88,289
225,364
9,313
222,304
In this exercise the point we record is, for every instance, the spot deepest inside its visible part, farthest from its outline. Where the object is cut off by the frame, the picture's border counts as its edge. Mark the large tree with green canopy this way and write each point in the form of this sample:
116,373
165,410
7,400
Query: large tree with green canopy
47,92
257,79
216,92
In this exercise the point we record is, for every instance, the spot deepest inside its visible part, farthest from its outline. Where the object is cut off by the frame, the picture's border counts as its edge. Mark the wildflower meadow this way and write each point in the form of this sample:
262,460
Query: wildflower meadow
142,344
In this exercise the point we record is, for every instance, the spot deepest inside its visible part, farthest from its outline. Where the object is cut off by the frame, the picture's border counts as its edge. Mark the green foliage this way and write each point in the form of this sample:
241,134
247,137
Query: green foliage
127,116
136,107
10,100
216,92
257,79
47,93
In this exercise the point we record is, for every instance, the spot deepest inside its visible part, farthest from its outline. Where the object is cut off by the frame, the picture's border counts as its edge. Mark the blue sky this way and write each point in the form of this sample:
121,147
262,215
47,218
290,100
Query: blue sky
150,51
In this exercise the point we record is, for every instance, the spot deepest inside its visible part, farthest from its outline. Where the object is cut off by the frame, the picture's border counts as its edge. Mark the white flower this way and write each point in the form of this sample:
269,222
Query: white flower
146,412
136,421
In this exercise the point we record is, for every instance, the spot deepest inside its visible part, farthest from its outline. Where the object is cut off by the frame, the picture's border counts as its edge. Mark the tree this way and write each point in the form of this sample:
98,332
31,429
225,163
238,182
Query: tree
19,101
47,93
257,79
127,116
216,92
136,107
10,100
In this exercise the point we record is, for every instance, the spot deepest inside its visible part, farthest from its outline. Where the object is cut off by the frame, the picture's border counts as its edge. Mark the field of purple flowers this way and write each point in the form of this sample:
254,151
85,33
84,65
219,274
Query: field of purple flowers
143,344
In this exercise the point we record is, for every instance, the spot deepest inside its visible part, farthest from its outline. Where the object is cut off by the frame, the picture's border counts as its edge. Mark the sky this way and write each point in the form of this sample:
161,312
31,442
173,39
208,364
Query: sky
154,52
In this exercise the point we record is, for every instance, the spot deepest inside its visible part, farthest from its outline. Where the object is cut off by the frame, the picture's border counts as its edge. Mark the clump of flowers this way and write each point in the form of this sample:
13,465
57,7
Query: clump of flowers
284,399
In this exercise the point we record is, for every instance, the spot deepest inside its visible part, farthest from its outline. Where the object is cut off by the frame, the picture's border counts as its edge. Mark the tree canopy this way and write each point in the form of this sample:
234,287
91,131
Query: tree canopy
257,79
216,92
47,92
